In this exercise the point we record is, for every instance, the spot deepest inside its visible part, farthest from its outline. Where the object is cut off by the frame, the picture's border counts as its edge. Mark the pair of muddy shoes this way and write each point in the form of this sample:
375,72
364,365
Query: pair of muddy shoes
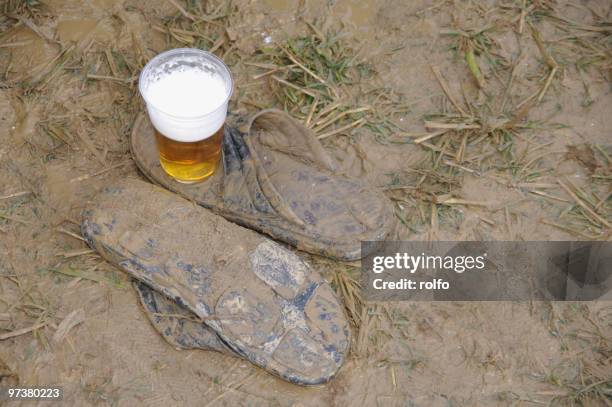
206,283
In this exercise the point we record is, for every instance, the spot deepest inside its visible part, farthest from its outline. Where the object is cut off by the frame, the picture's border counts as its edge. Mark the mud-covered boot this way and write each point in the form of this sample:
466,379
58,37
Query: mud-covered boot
278,179
263,302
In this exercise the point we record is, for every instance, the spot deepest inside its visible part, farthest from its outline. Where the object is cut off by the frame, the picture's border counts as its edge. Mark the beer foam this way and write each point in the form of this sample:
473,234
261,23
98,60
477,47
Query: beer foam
187,104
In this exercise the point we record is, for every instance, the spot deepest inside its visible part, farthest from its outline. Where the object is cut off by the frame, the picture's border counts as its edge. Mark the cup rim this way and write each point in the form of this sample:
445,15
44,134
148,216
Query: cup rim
205,53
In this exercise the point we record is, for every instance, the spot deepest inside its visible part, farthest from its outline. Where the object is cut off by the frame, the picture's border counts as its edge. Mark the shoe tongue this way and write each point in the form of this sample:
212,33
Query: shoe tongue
276,130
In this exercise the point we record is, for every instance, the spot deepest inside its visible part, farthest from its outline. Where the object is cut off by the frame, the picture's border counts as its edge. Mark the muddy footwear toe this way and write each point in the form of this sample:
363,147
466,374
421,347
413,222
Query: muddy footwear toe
262,301
180,327
278,179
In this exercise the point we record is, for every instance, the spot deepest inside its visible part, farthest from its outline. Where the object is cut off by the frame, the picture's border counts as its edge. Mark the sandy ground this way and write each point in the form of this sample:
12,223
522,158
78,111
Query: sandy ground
67,104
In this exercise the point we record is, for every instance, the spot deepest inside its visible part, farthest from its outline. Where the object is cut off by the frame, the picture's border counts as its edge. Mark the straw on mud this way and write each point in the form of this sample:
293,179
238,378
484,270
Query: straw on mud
15,219
583,205
328,109
349,290
39,75
262,65
451,126
461,167
509,84
75,253
308,71
458,201
71,320
422,137
320,125
15,44
435,222
539,185
532,161
366,320
570,229
291,85
553,68
22,331
97,173
549,196
602,201
111,62
313,108
550,61
181,35
90,146
14,195
436,149
217,44
195,318
322,69
32,26
273,70
112,78
446,90
69,233
182,10
97,277
468,123
486,220
356,123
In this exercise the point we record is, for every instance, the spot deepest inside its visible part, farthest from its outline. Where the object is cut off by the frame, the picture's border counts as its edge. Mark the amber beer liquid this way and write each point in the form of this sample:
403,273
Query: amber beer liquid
189,161
187,92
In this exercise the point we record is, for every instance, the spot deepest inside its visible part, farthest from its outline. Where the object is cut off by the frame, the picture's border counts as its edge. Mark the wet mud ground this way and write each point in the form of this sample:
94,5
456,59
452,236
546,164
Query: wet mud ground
480,120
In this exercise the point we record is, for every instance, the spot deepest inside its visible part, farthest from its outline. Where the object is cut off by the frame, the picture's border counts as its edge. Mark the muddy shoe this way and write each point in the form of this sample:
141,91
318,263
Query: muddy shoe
180,327
262,301
278,180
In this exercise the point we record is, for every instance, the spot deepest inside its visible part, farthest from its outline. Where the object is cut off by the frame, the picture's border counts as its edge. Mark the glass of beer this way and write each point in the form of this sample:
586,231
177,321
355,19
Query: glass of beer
187,91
